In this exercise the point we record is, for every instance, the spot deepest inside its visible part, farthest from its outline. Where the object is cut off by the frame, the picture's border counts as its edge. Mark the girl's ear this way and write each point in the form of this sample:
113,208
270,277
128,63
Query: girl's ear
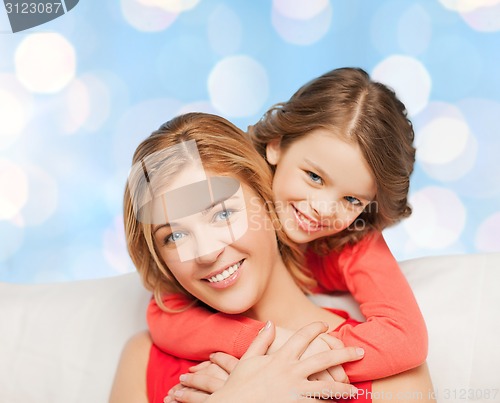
273,152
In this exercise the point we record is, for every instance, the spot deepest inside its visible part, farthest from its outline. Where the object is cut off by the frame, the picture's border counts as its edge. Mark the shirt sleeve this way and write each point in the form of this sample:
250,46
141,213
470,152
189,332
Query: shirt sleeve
394,335
197,332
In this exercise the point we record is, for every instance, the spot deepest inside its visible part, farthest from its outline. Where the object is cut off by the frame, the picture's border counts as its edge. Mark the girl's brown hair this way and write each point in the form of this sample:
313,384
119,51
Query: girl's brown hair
350,105
224,149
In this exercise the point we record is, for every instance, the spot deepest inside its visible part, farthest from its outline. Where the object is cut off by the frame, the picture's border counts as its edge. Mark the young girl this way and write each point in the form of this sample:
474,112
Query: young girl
342,154
196,205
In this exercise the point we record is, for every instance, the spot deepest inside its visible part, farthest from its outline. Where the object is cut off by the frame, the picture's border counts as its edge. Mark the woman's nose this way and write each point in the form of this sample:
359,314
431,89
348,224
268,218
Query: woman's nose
208,249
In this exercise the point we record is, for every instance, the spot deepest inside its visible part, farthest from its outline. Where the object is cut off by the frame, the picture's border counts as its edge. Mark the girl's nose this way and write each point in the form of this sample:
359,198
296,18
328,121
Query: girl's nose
323,207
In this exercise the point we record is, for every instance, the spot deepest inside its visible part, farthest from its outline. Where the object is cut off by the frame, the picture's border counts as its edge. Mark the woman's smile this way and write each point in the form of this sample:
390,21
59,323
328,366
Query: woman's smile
226,277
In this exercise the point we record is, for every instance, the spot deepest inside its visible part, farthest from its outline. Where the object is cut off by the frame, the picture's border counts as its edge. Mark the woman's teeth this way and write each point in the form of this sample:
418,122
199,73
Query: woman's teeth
225,274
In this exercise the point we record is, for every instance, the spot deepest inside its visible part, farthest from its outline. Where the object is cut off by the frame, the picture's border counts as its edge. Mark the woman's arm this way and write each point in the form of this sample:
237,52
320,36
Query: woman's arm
394,335
410,386
129,385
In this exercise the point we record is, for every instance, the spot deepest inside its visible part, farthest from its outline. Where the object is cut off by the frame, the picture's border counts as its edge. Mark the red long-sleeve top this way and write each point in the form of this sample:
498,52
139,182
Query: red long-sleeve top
163,370
394,335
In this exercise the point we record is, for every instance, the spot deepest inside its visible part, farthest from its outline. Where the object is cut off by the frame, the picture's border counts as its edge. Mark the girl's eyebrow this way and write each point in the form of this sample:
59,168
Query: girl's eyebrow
322,173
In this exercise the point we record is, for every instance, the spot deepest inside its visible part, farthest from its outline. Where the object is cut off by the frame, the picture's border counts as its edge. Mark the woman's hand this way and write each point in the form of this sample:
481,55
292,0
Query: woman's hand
281,376
323,342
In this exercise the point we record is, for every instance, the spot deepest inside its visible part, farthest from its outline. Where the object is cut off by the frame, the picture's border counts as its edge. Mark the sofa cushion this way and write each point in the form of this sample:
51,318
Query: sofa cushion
61,342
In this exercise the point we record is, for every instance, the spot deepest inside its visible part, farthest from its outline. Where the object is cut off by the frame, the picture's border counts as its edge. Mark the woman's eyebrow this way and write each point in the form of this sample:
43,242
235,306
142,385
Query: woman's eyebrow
203,212
163,226
221,200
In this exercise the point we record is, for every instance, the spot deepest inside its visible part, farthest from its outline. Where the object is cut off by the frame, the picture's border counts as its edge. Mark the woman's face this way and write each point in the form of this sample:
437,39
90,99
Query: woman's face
223,253
321,185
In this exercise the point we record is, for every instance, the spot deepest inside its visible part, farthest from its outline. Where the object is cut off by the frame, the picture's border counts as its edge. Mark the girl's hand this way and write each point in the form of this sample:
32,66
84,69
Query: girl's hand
203,379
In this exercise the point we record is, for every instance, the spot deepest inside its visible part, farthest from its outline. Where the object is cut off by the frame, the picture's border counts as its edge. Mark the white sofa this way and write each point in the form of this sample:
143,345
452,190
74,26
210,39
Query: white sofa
61,342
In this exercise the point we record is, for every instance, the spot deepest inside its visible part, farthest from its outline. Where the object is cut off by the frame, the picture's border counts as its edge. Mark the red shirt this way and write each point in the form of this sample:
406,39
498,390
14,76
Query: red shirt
164,370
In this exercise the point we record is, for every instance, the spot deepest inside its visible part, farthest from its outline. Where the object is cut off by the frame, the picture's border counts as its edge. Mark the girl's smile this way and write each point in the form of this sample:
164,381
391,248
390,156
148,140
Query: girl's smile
307,223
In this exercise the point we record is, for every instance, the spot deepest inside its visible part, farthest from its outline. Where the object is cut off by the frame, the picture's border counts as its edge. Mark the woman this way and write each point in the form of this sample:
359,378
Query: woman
198,221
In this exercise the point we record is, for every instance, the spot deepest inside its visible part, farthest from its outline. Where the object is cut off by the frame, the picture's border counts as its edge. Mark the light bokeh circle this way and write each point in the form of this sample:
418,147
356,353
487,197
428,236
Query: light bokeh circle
16,109
43,194
12,243
221,21
115,247
488,234
414,32
442,140
76,107
238,86
299,9
446,147
45,62
481,15
301,22
13,117
13,189
438,218
408,77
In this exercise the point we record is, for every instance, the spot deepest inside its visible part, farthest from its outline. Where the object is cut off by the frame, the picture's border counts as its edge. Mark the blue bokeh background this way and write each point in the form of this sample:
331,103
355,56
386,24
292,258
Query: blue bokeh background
79,93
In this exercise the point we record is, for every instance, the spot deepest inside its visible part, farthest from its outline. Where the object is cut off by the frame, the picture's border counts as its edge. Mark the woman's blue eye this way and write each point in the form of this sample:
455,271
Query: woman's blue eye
174,237
315,178
353,201
223,215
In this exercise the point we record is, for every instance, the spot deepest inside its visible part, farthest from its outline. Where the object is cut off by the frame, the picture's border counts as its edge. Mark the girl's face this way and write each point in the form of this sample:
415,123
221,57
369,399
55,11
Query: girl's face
224,253
321,185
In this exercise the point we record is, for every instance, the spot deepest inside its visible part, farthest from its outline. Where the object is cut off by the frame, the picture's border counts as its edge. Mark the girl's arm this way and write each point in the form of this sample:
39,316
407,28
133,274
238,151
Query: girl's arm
394,335
197,332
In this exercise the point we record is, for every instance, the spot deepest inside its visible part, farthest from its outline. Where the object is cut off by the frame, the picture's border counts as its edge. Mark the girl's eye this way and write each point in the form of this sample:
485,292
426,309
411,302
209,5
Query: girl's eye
223,215
174,237
352,200
315,178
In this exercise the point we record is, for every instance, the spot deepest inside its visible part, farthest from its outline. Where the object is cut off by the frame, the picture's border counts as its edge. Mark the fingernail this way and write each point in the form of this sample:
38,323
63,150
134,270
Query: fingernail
360,351
353,391
183,377
266,327
326,325
178,393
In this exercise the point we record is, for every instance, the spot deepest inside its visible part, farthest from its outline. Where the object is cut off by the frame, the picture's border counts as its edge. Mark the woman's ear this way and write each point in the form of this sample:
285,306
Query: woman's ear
273,152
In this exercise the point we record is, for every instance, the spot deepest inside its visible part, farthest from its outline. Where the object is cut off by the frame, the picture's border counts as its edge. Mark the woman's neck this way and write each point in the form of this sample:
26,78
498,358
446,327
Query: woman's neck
286,305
